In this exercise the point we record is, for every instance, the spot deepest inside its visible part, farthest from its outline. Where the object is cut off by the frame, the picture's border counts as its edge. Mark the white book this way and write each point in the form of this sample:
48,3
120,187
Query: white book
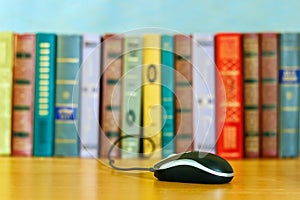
89,96
204,125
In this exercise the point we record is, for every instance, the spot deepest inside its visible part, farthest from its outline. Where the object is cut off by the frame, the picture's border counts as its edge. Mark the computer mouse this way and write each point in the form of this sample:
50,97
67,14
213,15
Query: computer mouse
194,167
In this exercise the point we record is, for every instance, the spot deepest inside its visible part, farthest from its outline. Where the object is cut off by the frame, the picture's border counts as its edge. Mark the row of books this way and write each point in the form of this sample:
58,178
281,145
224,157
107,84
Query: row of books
234,94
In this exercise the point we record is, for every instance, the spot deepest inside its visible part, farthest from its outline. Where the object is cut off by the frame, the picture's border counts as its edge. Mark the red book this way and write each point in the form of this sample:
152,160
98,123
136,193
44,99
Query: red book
111,93
183,94
269,94
23,94
229,64
251,85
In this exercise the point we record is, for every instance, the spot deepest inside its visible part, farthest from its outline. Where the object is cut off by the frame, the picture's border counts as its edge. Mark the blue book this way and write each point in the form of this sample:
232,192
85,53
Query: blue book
204,88
167,62
289,74
43,137
89,96
67,95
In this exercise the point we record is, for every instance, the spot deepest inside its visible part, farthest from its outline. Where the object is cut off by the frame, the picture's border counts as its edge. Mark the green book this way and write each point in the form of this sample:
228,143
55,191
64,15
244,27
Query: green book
131,96
67,95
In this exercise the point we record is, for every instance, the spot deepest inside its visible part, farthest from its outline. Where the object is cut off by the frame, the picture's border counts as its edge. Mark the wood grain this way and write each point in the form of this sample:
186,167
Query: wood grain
75,178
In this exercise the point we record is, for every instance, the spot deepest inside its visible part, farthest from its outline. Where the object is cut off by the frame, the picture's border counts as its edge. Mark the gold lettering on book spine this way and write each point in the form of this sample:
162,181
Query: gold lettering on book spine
44,78
67,60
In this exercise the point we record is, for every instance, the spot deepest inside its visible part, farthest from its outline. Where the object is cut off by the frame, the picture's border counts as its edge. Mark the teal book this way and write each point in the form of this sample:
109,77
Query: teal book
131,96
289,74
68,62
167,79
43,136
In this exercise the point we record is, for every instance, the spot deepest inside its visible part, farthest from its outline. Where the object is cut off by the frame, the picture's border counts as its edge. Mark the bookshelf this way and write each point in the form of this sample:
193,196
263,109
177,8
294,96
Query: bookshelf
72,178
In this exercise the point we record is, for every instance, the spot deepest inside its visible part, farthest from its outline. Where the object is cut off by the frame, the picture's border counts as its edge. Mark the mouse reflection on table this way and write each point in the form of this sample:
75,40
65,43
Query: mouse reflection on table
194,167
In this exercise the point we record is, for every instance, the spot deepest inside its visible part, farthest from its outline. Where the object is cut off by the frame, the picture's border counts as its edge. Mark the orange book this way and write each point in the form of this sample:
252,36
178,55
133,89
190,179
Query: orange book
229,63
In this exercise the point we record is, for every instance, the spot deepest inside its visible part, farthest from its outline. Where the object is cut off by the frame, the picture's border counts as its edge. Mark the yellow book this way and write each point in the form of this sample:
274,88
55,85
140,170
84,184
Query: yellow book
6,72
152,93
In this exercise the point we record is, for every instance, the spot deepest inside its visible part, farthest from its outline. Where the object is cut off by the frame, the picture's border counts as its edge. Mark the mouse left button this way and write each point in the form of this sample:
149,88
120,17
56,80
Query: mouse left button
166,160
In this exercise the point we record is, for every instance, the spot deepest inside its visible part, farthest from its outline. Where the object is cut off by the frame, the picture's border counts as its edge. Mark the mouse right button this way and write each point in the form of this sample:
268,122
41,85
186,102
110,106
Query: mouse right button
210,161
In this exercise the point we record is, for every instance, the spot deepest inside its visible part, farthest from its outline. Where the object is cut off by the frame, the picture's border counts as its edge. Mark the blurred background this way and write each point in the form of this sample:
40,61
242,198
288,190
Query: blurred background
189,16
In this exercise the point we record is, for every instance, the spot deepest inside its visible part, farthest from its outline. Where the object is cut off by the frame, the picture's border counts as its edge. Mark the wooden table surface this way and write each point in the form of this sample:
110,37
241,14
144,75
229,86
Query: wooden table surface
75,178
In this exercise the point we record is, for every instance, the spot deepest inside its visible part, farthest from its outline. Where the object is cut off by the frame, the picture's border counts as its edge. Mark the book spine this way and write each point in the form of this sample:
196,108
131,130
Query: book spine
152,93
289,74
183,94
43,137
229,63
204,117
89,95
111,93
67,96
269,94
251,80
167,92
23,94
131,96
6,85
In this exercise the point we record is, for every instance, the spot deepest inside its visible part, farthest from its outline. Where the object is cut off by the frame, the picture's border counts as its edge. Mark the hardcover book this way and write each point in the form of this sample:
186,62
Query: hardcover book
132,96
251,85
167,93
43,137
89,96
111,93
6,85
68,63
152,94
289,74
229,63
269,94
204,117
23,94
183,93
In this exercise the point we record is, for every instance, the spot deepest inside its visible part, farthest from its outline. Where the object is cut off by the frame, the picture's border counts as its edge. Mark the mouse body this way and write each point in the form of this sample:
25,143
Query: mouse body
194,167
